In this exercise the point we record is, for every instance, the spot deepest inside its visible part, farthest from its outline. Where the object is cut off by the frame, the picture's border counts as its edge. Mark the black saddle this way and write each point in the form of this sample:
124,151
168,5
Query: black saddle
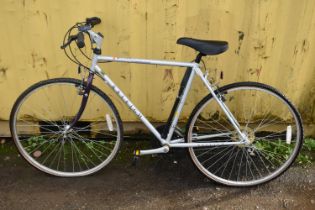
206,47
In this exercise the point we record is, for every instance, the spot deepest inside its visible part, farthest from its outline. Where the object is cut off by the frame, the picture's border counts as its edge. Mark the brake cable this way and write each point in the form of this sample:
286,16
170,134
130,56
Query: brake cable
85,48
64,41
73,58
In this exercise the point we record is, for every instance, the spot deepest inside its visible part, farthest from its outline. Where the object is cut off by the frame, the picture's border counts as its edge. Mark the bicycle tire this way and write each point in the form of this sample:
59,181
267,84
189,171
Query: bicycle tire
72,82
225,90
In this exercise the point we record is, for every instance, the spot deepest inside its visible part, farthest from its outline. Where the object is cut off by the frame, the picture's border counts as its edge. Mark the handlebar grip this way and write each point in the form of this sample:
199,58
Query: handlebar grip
93,21
70,39
80,40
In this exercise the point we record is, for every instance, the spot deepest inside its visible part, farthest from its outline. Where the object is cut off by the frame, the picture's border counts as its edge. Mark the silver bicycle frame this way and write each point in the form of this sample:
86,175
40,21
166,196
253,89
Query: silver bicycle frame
195,70
167,142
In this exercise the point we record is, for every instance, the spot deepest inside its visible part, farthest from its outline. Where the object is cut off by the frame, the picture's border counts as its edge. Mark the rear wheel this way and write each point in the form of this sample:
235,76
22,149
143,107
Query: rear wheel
271,123
41,114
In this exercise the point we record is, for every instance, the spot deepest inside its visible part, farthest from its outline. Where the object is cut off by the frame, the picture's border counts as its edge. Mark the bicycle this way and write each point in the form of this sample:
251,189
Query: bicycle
241,134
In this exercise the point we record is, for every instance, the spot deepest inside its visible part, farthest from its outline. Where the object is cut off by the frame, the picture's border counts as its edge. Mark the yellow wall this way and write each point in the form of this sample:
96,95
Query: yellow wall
271,41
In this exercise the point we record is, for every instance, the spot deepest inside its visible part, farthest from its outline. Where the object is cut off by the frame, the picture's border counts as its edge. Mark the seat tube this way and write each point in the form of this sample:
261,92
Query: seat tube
180,105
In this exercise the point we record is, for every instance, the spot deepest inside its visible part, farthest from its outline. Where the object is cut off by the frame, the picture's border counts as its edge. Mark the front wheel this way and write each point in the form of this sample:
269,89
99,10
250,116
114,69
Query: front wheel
39,121
271,123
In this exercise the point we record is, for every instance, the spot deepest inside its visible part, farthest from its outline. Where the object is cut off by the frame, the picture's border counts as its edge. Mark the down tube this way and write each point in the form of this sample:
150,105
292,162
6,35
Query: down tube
130,105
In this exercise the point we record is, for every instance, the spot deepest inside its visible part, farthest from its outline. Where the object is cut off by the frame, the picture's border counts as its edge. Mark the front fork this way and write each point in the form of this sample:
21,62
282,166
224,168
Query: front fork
85,96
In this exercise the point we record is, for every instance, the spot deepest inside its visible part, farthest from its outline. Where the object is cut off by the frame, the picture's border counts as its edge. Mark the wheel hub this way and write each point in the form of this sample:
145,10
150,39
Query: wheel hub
248,132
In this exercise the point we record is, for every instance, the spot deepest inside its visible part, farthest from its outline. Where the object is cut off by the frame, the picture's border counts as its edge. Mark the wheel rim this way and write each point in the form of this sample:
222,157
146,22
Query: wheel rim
271,150
39,124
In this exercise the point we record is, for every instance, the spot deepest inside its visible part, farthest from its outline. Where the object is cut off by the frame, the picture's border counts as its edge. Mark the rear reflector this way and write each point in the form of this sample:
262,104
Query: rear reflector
109,123
289,134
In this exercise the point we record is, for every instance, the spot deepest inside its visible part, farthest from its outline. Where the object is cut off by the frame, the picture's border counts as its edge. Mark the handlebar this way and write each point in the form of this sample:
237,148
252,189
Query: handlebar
79,38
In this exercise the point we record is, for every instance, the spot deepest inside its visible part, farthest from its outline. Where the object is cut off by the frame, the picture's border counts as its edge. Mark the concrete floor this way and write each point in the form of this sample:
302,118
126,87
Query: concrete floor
164,182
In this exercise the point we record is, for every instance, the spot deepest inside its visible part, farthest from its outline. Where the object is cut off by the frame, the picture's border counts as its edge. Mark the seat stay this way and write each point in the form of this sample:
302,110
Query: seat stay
222,105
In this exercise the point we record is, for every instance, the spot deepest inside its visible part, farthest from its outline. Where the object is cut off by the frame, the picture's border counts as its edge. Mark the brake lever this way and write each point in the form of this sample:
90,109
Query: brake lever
70,39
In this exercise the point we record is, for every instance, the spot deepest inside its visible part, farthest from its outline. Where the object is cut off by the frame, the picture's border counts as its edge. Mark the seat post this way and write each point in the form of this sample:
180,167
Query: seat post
199,56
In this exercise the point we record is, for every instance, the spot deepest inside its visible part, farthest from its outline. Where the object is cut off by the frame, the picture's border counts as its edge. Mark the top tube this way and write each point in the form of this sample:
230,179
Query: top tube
102,59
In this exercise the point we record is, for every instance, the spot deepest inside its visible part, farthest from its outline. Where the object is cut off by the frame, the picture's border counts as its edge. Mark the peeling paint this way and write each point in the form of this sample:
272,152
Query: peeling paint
46,18
38,61
168,74
305,45
256,71
259,46
273,42
240,41
3,71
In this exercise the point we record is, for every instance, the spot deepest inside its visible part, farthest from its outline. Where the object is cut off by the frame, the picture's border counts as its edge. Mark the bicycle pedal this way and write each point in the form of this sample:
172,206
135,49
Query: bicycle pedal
136,157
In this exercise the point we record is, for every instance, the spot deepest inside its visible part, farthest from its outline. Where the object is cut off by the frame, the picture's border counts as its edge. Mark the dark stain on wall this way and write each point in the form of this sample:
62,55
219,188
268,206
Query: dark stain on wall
3,74
168,74
3,71
305,45
46,18
38,61
256,71
240,41
273,41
